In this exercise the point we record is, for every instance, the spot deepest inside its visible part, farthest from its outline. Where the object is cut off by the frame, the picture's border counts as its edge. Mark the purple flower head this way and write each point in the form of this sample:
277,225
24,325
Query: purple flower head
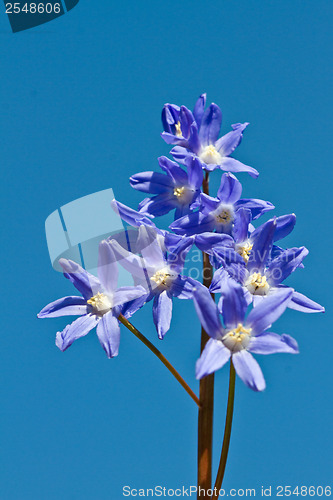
238,336
176,189
158,271
100,304
261,275
197,134
221,214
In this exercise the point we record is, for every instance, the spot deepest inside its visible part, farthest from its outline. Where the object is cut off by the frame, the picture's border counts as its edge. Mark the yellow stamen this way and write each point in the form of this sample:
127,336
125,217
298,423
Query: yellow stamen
100,303
178,130
244,251
179,191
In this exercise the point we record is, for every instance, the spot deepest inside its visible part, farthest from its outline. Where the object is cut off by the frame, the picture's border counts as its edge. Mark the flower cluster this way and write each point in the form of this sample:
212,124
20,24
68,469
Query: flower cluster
249,267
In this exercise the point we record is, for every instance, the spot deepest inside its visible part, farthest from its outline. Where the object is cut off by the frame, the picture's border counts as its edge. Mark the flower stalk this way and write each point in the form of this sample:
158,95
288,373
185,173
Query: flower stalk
227,431
160,356
206,393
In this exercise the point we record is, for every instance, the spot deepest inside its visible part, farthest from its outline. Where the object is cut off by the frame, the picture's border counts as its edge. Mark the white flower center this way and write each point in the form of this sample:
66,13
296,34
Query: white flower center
257,284
209,154
244,249
224,214
101,303
178,130
238,338
164,277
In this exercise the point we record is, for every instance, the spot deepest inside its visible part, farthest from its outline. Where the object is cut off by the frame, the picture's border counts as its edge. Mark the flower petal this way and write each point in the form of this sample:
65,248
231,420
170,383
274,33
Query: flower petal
301,303
271,343
231,165
207,312
194,171
262,247
108,333
284,225
107,266
230,189
269,310
79,328
127,294
248,370
131,216
234,304
162,313
210,125
199,109
173,170
66,306
193,223
227,144
257,207
214,356
282,266
151,182
86,283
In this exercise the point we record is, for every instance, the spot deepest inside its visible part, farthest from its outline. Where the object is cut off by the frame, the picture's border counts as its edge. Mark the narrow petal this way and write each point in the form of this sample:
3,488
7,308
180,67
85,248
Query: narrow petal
207,312
183,287
271,343
150,246
107,266
127,293
218,281
108,333
205,241
194,171
162,313
210,125
227,144
262,246
176,258
129,261
284,225
214,356
248,370
67,306
174,171
180,153
240,230
86,283
257,207
269,310
301,303
231,165
131,216
230,189
282,266
193,223
130,308
79,328
199,109
158,205
151,182
170,116
234,303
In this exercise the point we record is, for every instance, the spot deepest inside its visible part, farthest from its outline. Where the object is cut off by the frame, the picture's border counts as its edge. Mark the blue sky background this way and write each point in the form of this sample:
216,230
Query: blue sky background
80,102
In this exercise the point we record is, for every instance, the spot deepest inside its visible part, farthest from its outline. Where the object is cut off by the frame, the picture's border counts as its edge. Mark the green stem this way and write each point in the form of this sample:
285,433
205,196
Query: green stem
227,431
160,356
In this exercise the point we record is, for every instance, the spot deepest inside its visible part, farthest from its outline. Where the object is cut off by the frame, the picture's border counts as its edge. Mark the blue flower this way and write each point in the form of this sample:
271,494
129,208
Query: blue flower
175,189
158,271
221,214
239,336
100,304
200,137
261,275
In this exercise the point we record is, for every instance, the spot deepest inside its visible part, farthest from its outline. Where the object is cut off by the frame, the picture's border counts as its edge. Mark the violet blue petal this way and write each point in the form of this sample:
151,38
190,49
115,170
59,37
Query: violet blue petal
230,189
207,312
152,182
86,283
66,306
262,247
271,343
79,328
269,310
162,312
248,370
231,165
199,109
210,125
227,144
282,266
108,333
214,356
107,266
301,303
